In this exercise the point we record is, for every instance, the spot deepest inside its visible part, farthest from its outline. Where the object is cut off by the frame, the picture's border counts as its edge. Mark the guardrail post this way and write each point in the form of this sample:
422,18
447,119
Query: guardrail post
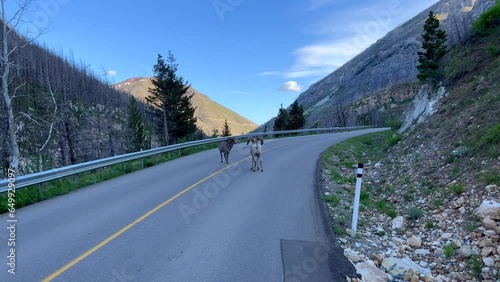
76,179
40,190
359,178
142,162
102,173
124,167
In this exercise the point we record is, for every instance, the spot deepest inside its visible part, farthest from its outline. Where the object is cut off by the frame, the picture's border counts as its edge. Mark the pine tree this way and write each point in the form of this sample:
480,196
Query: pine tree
296,119
226,131
281,121
215,133
434,47
136,129
174,113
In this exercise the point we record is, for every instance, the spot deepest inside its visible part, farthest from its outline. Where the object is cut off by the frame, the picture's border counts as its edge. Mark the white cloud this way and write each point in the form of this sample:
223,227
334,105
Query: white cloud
290,86
111,72
320,59
345,33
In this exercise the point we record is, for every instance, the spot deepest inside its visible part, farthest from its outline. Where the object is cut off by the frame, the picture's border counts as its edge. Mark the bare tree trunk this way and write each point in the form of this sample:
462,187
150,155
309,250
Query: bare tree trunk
14,147
341,115
165,124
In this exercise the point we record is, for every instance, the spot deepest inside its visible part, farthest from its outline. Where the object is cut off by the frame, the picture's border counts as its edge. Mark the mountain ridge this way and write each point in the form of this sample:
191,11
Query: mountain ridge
210,114
389,61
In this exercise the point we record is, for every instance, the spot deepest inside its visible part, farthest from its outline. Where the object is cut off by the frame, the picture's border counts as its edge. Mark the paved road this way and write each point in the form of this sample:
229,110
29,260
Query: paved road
191,219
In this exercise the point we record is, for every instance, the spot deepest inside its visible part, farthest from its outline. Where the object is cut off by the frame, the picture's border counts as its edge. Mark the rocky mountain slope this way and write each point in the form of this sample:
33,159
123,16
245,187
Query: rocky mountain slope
430,201
211,115
390,61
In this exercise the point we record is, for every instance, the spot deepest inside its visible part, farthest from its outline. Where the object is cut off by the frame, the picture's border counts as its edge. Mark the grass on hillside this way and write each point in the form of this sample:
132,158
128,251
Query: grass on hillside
341,161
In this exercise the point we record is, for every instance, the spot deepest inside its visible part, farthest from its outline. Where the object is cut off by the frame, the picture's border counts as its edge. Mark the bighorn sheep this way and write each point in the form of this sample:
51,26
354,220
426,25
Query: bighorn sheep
225,147
256,152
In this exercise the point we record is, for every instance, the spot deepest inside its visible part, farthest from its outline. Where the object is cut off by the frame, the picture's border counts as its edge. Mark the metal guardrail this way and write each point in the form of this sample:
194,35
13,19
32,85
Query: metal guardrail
44,176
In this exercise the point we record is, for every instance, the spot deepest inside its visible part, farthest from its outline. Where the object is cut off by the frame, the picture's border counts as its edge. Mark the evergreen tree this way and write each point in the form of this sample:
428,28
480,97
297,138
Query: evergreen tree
226,131
281,121
136,129
434,48
296,119
215,133
185,121
174,113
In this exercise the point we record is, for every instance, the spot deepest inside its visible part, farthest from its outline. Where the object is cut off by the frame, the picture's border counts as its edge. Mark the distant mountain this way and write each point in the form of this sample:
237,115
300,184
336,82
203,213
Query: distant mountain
211,115
390,61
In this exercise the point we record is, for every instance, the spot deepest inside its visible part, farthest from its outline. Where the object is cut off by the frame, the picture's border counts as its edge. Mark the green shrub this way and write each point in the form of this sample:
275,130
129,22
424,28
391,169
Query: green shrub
334,200
429,224
493,151
414,213
488,20
339,231
394,124
394,139
458,188
493,135
388,209
476,264
408,197
364,198
461,151
458,65
491,177
391,213
493,50
448,251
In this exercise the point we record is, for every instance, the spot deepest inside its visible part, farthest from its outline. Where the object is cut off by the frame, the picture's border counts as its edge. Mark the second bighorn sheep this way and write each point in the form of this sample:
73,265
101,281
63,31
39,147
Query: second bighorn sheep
256,152
225,147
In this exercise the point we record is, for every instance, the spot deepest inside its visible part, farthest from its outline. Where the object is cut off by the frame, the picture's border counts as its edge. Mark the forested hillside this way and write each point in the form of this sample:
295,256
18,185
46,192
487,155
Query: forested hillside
64,113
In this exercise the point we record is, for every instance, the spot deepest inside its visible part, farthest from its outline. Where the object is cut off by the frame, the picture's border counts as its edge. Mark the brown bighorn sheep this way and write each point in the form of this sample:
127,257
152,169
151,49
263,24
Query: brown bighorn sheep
225,147
256,152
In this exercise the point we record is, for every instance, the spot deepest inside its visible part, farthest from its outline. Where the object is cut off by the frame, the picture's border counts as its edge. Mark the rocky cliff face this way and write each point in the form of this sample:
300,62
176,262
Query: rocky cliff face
390,61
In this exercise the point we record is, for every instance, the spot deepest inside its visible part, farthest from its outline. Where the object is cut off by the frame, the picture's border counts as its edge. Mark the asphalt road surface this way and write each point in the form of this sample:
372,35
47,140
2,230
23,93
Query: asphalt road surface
190,219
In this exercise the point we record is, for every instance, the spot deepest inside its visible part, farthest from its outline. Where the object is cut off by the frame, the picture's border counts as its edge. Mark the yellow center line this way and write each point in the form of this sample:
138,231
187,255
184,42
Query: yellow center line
121,231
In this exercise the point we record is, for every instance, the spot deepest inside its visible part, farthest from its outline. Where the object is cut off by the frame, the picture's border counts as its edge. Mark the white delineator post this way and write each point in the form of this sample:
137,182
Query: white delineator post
359,176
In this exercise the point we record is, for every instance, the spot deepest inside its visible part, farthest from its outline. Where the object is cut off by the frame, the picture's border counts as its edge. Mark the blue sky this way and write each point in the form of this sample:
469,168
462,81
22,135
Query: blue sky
250,56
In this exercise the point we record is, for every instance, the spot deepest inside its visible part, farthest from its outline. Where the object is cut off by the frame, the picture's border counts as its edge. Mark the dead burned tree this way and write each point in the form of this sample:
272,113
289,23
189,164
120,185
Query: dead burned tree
9,94
42,128
341,115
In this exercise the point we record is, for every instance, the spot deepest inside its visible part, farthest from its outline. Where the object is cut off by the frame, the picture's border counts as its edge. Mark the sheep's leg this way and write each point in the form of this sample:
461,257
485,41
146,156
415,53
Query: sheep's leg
226,155
220,157
261,168
251,168
254,162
